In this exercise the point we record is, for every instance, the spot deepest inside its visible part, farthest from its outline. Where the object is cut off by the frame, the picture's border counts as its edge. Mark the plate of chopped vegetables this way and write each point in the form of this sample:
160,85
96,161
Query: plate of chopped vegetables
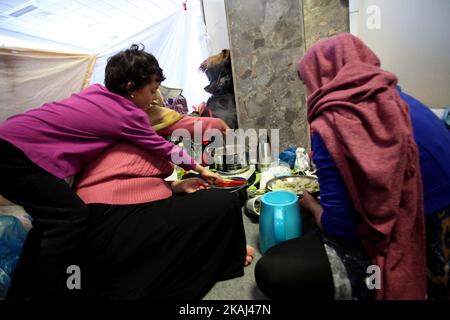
295,184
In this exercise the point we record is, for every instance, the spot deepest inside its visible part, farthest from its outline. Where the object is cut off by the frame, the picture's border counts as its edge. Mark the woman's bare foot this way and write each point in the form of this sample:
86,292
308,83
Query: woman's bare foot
249,257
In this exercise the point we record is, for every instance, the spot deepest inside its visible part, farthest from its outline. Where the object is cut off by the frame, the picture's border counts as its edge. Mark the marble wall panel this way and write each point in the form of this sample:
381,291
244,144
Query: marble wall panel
267,38
324,18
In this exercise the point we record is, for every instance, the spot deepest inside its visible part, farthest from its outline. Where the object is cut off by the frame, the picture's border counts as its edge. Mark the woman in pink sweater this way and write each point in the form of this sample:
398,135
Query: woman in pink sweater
152,239
43,146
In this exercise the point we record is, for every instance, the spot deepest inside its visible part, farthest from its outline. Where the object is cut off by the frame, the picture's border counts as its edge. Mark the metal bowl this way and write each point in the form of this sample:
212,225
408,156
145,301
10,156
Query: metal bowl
291,182
239,191
253,207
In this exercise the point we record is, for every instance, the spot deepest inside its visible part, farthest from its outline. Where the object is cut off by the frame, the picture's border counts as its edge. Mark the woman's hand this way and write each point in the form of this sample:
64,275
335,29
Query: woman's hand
312,206
189,185
208,175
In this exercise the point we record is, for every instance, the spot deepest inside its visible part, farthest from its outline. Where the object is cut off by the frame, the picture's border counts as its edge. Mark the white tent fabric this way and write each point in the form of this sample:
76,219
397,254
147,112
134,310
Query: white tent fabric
29,78
179,42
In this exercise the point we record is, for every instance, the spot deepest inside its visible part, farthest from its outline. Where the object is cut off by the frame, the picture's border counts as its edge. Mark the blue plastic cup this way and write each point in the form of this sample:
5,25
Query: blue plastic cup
279,219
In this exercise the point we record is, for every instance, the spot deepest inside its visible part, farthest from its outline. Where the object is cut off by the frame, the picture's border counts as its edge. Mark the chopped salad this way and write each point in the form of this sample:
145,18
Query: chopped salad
297,185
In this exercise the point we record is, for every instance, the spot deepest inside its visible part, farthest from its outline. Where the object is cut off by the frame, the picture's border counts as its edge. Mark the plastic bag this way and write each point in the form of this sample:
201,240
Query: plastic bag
179,104
288,156
12,237
301,160
280,169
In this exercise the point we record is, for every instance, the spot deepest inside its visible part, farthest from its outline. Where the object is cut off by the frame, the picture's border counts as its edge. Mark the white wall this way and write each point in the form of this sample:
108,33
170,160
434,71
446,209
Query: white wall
216,25
412,40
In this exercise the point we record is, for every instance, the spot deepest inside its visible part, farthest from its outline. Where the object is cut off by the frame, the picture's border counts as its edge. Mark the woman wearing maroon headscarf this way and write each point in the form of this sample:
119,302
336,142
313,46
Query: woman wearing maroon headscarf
371,213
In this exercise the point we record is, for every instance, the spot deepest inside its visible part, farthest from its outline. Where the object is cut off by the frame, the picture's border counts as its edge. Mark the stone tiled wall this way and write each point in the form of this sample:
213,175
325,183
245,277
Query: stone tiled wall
267,38
324,18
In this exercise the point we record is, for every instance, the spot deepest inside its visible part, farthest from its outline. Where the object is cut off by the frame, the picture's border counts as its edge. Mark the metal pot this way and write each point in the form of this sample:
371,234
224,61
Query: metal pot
232,159
241,194
241,191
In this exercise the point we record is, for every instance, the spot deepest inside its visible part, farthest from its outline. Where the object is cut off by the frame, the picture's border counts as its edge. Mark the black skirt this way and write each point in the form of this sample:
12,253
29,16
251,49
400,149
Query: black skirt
173,249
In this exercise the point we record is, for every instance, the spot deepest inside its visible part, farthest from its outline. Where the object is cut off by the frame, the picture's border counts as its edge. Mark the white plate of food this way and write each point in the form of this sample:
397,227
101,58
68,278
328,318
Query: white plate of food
295,184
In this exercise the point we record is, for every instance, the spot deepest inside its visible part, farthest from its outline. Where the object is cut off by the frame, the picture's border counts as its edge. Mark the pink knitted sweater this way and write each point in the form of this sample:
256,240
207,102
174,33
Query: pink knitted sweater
124,174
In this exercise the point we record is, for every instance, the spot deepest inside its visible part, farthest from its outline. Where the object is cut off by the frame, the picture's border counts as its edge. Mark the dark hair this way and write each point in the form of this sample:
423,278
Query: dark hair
132,65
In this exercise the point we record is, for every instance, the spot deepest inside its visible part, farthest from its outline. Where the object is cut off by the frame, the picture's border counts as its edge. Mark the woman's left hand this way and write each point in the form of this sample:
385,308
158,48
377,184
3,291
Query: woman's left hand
312,206
189,185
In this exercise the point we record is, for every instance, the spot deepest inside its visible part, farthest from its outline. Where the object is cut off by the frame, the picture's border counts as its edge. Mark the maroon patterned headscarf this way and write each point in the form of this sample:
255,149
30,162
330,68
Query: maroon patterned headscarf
354,106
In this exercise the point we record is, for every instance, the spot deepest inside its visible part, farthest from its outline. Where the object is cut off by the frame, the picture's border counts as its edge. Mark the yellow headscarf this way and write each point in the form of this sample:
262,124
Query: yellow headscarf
160,116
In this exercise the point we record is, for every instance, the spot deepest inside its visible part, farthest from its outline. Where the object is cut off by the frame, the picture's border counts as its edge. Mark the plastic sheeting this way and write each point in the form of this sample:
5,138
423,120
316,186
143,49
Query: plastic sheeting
12,237
30,78
179,42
